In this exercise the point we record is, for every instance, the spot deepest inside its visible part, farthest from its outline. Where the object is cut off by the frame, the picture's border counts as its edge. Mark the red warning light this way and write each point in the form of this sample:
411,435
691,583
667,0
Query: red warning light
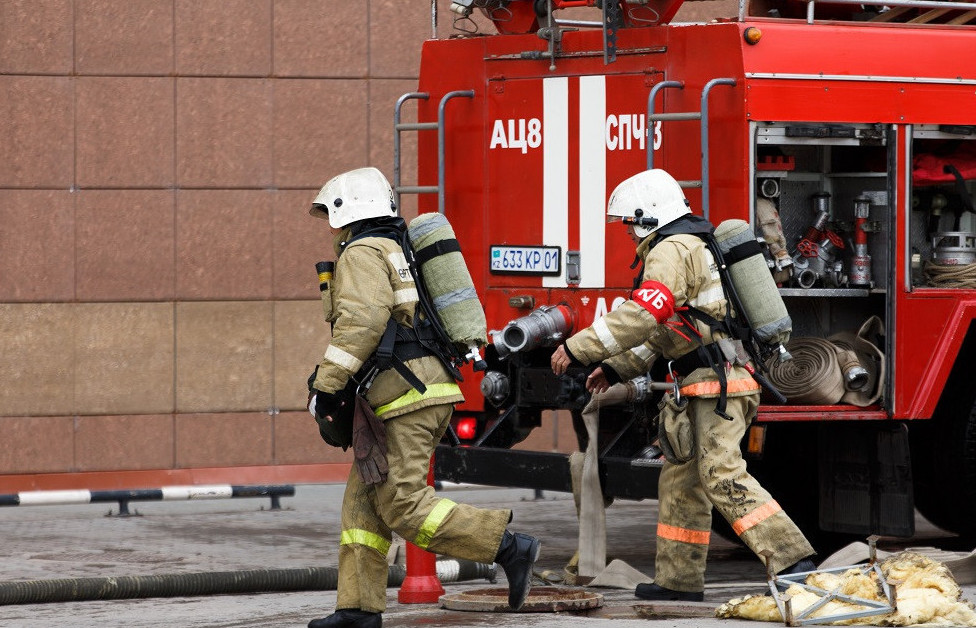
467,428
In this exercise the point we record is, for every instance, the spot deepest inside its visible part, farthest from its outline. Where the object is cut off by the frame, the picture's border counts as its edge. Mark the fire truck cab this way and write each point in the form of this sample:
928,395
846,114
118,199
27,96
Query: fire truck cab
854,124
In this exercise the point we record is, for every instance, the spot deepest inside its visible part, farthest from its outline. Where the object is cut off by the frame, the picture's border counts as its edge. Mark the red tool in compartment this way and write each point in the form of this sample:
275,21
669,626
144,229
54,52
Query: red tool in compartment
860,273
818,249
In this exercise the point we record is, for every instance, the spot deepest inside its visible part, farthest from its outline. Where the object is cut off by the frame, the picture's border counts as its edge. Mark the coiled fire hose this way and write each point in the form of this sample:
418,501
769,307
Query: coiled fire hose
213,583
950,276
812,377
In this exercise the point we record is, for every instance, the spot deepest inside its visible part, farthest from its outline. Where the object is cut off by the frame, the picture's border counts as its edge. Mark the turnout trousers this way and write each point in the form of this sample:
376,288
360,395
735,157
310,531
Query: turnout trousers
405,504
717,477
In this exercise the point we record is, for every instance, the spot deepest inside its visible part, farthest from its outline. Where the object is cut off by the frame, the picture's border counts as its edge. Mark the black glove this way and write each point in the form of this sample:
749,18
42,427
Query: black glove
333,414
311,384
612,376
327,404
572,358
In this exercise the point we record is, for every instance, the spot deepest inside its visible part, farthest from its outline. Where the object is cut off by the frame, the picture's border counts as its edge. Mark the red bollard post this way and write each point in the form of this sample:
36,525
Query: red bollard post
420,585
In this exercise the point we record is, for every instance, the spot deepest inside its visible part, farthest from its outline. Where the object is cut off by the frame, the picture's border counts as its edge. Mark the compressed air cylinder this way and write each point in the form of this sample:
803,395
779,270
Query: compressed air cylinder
447,279
753,283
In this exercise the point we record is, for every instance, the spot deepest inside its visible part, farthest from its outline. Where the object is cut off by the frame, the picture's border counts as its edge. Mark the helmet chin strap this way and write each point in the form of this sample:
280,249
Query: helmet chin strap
642,232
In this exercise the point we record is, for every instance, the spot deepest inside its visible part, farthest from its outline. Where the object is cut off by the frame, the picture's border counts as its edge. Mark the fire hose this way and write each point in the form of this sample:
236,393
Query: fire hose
212,583
950,276
844,368
813,376
953,263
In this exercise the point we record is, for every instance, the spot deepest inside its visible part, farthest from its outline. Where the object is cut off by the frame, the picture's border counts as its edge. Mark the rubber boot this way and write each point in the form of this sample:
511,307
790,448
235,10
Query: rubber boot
798,567
349,618
652,591
516,555
804,565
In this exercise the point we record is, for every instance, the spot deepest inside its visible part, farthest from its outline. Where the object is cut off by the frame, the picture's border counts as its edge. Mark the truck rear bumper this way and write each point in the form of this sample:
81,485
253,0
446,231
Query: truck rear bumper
629,478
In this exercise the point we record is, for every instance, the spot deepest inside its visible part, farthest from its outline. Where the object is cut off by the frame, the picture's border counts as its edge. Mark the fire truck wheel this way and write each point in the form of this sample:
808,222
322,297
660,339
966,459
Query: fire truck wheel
944,470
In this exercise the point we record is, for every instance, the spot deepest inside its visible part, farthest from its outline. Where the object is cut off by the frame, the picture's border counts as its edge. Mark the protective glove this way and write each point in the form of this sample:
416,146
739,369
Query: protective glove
369,444
327,404
311,385
333,414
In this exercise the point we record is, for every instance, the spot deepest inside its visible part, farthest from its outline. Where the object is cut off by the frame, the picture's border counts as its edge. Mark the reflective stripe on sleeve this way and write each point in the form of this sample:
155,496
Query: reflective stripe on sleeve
712,266
342,358
714,388
707,297
407,295
642,352
365,538
602,332
432,522
756,517
399,262
434,391
683,535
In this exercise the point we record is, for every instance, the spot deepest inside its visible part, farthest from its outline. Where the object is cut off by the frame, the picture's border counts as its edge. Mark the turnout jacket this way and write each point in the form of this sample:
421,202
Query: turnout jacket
371,283
629,338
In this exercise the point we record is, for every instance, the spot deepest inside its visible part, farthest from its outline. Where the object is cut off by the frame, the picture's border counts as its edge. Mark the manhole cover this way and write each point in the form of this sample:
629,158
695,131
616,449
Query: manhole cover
540,600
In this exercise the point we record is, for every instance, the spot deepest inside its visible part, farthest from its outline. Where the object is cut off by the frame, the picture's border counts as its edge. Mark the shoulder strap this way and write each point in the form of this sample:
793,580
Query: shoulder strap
381,232
690,223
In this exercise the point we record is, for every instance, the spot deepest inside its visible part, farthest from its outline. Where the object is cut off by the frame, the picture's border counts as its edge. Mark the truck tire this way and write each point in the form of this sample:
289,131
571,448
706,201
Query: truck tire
944,467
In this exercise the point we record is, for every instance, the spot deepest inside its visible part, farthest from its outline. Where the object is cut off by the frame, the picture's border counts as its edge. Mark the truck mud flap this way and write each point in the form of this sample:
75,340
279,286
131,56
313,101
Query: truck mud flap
624,478
866,480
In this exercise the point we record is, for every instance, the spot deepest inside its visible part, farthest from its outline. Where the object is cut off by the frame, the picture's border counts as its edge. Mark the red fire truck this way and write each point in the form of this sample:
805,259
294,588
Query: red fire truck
856,122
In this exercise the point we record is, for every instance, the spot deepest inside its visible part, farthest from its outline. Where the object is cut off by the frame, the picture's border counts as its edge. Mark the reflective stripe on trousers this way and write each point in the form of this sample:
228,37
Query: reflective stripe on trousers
432,522
366,538
424,535
683,535
756,517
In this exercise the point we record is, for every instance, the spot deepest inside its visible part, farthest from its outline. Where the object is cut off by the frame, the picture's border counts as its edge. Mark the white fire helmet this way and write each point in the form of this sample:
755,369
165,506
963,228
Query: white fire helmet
648,200
355,195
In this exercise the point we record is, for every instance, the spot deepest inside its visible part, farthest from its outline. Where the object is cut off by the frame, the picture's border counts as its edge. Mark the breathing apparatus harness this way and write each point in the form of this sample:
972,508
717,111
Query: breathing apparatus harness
400,343
735,323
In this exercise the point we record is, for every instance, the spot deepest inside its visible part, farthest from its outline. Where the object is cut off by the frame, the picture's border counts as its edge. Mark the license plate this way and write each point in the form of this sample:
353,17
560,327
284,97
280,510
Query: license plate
534,260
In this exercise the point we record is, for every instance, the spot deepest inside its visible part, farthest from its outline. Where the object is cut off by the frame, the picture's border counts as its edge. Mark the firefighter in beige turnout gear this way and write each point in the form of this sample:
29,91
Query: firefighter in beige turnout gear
371,284
679,270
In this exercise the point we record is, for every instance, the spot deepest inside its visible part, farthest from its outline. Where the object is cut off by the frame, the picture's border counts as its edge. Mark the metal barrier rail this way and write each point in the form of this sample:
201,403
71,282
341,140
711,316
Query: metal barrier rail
166,493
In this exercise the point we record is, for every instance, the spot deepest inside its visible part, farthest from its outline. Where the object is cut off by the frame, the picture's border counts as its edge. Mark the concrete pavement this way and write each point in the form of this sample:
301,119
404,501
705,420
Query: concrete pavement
46,542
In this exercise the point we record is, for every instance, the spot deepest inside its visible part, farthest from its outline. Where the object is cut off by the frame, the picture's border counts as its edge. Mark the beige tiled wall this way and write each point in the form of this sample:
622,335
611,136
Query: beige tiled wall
158,300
